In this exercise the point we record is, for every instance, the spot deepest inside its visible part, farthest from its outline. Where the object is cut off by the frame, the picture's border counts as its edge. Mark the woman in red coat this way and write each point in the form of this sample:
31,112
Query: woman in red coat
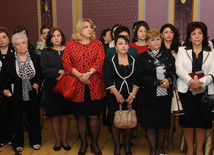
84,57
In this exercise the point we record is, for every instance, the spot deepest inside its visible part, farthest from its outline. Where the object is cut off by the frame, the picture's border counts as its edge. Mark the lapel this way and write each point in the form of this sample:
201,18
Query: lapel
189,53
205,54
116,65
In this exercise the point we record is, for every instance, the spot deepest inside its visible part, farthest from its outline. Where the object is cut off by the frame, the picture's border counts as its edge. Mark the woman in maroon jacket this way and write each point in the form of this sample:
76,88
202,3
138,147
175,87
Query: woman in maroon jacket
84,57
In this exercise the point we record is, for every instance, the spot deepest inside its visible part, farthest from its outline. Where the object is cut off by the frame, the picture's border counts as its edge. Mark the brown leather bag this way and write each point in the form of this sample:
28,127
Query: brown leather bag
125,119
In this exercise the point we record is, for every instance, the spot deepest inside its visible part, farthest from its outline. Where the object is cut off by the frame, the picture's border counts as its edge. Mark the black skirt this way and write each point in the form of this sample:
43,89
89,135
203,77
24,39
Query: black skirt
89,107
56,105
193,117
156,116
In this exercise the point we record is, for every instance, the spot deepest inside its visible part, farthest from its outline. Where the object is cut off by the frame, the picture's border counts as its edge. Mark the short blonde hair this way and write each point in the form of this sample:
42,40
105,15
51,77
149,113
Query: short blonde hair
80,25
152,33
17,36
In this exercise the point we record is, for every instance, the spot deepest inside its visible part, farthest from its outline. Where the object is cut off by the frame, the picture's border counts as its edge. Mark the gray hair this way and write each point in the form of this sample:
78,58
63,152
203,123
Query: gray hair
18,36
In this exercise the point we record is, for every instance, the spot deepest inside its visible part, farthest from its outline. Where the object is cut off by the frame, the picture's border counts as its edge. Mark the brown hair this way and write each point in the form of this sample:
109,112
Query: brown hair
50,35
2,29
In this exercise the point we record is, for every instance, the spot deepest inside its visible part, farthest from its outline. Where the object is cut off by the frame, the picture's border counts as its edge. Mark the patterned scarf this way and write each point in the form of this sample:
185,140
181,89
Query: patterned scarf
25,72
160,70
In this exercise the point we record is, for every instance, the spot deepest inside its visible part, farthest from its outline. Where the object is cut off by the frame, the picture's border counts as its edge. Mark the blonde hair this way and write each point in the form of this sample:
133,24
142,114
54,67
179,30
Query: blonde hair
152,33
80,25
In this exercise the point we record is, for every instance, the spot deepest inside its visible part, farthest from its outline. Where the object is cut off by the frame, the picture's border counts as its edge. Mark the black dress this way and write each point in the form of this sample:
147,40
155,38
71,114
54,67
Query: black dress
114,75
155,110
51,63
193,117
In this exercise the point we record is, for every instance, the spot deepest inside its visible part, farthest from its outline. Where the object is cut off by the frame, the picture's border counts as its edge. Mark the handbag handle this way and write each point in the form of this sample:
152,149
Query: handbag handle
129,106
176,90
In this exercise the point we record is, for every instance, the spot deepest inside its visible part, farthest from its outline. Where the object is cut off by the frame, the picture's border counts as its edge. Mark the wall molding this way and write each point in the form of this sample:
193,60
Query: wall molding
195,13
141,9
171,12
77,12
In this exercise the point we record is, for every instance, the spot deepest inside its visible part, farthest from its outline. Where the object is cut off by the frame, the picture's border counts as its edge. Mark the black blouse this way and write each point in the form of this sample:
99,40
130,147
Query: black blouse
197,62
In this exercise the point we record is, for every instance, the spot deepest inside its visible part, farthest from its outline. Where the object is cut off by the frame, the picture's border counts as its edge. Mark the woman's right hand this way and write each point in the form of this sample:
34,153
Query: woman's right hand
7,93
119,98
195,84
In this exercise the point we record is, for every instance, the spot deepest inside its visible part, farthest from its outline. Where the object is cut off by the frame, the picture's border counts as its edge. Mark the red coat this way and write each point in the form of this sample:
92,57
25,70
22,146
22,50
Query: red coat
83,58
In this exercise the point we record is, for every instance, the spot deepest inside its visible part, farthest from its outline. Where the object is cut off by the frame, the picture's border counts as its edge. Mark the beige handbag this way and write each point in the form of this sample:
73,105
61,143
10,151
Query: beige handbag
176,106
125,119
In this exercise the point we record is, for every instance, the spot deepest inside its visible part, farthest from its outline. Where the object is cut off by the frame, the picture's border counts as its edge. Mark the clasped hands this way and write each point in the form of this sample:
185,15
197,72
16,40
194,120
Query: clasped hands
121,100
195,84
84,78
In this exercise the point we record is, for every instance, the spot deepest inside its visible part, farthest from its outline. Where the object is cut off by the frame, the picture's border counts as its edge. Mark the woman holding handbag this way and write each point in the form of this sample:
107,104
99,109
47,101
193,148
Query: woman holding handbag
85,56
195,56
155,69
57,107
170,43
121,82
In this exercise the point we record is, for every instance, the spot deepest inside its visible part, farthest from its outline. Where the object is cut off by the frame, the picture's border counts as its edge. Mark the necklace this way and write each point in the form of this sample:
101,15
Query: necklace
123,59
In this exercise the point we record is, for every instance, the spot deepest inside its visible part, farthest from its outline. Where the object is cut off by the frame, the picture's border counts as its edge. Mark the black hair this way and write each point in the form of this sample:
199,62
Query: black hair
44,27
123,37
116,25
190,28
20,29
138,25
175,42
121,29
103,33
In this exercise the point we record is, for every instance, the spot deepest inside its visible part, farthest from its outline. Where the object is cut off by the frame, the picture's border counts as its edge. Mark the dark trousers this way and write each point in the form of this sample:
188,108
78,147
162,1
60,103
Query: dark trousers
33,120
4,122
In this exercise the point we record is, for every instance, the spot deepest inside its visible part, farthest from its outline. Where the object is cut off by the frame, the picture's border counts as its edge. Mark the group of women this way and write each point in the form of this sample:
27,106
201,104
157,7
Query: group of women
138,74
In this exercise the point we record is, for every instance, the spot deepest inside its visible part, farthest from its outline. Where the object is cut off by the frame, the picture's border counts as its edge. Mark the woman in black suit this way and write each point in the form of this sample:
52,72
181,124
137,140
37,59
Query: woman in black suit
20,79
121,82
155,68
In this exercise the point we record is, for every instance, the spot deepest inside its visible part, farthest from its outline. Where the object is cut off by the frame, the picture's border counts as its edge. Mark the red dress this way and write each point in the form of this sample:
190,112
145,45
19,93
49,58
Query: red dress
83,58
140,49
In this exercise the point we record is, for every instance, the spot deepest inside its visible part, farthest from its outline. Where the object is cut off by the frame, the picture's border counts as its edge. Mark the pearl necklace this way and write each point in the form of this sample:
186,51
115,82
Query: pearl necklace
123,59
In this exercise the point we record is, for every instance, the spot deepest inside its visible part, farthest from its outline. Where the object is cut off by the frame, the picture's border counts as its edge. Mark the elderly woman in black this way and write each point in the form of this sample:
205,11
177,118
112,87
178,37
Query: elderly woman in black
155,69
20,79
195,56
121,82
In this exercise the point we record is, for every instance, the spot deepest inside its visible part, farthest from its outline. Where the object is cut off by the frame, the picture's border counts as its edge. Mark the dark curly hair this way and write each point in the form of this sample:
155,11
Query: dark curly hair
175,42
50,35
190,28
116,25
121,29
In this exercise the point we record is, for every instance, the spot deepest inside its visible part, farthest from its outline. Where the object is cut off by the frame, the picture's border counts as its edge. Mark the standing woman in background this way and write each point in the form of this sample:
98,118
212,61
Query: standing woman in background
5,50
23,30
84,57
170,43
105,36
52,69
195,56
155,69
140,37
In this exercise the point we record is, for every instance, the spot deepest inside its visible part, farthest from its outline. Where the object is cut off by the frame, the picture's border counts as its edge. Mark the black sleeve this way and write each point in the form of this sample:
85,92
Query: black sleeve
107,74
144,76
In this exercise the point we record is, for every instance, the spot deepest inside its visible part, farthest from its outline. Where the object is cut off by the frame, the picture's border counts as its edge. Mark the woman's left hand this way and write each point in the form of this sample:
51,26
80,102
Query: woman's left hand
130,99
85,76
165,84
35,86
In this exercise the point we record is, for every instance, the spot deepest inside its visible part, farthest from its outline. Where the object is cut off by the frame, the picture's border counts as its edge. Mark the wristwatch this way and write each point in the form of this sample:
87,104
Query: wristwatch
91,72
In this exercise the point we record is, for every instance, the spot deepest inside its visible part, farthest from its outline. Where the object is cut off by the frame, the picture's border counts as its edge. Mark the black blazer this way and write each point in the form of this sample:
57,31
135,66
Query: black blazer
112,76
146,73
10,80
